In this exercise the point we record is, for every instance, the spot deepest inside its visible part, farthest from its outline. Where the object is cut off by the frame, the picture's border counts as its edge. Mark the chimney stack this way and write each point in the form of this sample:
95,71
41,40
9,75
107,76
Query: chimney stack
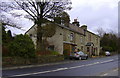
76,23
84,27
75,20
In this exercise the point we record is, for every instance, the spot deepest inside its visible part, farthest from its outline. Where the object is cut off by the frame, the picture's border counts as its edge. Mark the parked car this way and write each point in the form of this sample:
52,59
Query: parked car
107,53
78,55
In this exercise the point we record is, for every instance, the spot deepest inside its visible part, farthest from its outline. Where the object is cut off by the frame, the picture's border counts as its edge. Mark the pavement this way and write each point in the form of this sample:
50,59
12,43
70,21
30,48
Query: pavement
37,65
47,64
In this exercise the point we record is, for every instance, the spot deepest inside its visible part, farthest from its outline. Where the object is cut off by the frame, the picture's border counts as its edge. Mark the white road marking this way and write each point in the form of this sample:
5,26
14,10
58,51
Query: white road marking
76,67
92,64
89,64
96,62
107,61
38,65
110,72
105,74
60,69
116,69
31,73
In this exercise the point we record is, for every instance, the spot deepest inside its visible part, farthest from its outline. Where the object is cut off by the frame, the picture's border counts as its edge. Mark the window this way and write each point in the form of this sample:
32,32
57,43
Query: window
82,48
96,40
62,22
51,47
71,37
88,49
73,49
30,35
96,49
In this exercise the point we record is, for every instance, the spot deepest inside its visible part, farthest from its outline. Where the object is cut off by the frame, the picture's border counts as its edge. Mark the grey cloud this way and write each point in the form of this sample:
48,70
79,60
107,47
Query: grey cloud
104,17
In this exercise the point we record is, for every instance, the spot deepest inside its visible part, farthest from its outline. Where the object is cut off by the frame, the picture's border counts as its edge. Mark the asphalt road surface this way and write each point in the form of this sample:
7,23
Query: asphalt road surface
106,66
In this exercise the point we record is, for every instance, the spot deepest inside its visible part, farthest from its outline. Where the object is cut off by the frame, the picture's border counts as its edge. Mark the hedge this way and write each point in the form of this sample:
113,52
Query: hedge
17,61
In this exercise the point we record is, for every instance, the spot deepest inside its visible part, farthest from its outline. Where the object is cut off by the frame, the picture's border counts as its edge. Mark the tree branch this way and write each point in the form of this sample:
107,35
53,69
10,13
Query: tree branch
25,10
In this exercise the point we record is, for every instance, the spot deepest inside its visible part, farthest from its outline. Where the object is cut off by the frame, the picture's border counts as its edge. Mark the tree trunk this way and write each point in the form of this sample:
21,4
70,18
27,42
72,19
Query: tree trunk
40,46
39,35
39,39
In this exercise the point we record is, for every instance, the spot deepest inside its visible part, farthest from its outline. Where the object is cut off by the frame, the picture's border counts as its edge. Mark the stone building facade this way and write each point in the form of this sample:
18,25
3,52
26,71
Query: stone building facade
66,39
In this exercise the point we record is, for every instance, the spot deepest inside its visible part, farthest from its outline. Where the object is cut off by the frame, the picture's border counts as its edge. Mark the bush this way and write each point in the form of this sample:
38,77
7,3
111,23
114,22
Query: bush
54,53
47,52
49,58
107,48
102,53
5,51
65,52
22,46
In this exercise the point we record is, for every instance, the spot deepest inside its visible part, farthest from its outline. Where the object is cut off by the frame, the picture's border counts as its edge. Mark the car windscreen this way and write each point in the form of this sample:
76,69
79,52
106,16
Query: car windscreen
81,53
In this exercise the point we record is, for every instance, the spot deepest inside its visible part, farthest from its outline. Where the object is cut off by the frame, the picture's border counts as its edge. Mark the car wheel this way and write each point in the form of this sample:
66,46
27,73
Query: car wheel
80,58
86,57
70,58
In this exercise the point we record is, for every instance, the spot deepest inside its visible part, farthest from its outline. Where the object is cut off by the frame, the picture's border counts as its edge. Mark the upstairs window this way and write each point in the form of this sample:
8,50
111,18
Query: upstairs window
81,39
71,37
30,35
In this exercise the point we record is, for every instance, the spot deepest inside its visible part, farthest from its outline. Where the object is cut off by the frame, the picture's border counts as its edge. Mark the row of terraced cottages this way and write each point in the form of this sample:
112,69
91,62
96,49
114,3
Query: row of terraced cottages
68,38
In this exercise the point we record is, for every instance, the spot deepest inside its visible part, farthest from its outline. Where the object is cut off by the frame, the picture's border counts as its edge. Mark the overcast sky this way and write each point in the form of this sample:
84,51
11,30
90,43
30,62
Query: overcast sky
96,14
93,13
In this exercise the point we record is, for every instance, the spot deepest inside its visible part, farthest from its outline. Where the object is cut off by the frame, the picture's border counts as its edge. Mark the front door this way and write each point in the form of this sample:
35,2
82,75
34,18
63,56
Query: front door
67,49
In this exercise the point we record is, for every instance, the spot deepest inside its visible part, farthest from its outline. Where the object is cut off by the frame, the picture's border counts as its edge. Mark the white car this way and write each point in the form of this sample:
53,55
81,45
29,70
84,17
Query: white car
78,55
107,53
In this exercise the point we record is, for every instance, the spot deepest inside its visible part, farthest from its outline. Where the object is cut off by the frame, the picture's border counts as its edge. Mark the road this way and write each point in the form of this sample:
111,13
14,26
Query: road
106,66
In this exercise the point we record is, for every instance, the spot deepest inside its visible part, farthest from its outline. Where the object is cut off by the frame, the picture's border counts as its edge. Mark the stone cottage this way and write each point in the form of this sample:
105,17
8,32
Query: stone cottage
67,38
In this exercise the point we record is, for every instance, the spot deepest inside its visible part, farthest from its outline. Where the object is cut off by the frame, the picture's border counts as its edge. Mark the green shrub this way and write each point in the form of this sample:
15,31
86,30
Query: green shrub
107,48
54,53
22,46
49,58
65,52
102,53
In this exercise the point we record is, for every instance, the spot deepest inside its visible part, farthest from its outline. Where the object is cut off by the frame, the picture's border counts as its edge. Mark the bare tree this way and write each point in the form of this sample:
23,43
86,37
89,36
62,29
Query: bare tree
4,14
8,22
100,32
38,11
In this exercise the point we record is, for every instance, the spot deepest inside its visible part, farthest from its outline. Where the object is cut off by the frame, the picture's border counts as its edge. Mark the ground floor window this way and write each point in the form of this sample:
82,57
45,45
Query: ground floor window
73,48
96,49
88,49
51,47
82,48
